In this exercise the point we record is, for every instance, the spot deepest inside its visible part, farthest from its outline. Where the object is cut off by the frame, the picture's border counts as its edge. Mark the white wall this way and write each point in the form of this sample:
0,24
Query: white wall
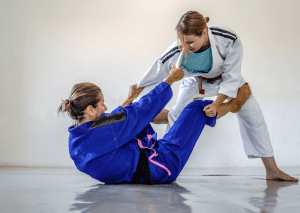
48,46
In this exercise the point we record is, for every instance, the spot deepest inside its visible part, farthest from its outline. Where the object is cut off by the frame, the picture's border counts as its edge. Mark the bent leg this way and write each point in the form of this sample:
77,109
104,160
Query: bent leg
175,148
254,131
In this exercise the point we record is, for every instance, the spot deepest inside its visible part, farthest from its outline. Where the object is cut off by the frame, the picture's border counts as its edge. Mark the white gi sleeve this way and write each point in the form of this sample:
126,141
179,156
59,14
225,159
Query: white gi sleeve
161,67
232,67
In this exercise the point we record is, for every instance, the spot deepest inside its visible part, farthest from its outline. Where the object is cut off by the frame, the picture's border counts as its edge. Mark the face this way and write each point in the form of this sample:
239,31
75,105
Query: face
101,107
193,43
96,112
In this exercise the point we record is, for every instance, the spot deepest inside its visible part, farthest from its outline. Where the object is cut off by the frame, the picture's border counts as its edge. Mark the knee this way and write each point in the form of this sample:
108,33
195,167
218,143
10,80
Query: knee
195,103
200,104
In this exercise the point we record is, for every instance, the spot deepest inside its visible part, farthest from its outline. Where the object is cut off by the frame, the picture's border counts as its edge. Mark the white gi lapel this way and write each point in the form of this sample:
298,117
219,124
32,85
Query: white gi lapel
217,61
178,62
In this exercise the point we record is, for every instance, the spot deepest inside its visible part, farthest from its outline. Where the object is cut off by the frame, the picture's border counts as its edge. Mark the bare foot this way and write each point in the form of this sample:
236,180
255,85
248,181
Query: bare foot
280,175
175,181
274,173
241,97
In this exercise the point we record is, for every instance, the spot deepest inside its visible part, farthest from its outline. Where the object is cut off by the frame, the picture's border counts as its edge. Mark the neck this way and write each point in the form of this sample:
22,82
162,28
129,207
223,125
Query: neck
205,46
84,121
89,119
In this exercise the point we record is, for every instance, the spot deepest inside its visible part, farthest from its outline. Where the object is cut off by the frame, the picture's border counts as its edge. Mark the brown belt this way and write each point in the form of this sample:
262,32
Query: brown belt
208,80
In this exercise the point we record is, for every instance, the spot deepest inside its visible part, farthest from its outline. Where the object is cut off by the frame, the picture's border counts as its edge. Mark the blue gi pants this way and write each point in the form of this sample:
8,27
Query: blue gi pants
175,148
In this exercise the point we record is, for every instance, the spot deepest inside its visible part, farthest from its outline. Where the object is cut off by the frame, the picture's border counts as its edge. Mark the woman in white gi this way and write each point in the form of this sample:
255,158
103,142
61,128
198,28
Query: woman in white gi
211,59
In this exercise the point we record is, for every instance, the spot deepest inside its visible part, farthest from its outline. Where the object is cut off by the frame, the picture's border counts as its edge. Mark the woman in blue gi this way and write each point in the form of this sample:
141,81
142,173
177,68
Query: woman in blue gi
211,58
121,146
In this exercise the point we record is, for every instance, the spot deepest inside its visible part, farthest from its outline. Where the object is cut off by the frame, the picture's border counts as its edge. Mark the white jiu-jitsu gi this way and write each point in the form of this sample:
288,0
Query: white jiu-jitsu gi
227,54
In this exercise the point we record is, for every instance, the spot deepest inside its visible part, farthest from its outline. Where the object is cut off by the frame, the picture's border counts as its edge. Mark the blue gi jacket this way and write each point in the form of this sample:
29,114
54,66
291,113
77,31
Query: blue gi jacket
107,149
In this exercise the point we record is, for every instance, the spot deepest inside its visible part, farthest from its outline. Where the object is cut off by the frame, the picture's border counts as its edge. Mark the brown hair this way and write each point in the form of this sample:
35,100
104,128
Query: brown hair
191,23
82,95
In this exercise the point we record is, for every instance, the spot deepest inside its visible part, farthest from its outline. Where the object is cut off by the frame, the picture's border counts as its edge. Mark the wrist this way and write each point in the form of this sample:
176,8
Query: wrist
216,104
169,80
127,102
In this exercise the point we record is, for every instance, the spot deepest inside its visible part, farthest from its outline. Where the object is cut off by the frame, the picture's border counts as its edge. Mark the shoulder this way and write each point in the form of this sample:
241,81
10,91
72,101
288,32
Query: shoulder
223,33
172,50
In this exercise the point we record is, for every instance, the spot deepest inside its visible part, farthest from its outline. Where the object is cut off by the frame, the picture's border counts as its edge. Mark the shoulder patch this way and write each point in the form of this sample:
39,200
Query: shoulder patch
109,119
223,33
169,54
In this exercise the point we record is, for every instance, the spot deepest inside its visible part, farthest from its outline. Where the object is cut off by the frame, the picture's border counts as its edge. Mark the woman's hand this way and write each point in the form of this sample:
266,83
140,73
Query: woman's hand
134,92
175,74
210,110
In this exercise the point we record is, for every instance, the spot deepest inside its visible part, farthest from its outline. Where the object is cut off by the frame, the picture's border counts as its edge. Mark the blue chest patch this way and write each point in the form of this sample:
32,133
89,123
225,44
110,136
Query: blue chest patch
198,62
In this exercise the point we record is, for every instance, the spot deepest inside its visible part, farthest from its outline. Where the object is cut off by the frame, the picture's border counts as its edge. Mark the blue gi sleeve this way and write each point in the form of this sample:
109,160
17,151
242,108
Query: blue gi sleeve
141,113
232,68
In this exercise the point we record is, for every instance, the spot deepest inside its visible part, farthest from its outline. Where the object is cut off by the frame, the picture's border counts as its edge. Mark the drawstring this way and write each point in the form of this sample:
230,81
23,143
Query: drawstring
153,155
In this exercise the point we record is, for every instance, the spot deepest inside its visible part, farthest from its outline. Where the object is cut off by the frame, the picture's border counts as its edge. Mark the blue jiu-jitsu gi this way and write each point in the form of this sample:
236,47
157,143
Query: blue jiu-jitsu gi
108,149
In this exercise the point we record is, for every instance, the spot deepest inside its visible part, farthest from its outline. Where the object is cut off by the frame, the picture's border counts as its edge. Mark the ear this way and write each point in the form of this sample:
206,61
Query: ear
90,110
205,31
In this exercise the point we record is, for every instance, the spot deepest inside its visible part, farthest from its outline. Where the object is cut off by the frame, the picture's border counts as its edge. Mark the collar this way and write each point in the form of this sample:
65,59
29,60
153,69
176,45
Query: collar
79,130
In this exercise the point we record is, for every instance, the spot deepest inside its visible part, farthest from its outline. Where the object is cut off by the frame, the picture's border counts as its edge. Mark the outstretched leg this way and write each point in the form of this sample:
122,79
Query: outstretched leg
235,104
256,139
274,173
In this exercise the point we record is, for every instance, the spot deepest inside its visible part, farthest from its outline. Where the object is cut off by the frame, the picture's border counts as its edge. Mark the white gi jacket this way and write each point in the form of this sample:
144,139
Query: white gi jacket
227,54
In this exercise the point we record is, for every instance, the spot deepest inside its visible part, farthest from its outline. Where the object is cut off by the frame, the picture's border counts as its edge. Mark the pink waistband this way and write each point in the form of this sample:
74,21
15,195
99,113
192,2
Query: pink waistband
153,155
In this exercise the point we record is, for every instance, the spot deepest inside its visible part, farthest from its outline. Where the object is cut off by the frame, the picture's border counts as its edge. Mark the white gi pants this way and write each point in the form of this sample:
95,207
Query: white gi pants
253,128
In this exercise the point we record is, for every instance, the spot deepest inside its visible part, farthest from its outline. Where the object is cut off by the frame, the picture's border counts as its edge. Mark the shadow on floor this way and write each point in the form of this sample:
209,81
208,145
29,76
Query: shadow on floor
269,201
132,198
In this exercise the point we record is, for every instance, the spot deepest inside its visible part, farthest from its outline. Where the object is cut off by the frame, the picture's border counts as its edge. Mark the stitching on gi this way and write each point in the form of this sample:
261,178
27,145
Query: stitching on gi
109,119
170,56
169,52
223,31
226,36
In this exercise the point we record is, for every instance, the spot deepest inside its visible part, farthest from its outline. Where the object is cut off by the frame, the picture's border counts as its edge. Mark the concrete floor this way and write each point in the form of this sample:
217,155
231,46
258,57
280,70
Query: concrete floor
197,190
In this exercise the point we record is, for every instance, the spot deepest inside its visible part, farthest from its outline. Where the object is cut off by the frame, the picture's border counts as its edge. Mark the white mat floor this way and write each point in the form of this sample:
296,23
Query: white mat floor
197,190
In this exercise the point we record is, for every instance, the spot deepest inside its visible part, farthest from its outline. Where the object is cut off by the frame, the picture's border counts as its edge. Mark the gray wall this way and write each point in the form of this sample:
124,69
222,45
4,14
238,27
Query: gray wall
48,46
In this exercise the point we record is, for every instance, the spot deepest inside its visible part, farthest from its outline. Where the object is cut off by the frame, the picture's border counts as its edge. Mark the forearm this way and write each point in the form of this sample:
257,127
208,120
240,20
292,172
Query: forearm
127,102
161,118
140,114
220,99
